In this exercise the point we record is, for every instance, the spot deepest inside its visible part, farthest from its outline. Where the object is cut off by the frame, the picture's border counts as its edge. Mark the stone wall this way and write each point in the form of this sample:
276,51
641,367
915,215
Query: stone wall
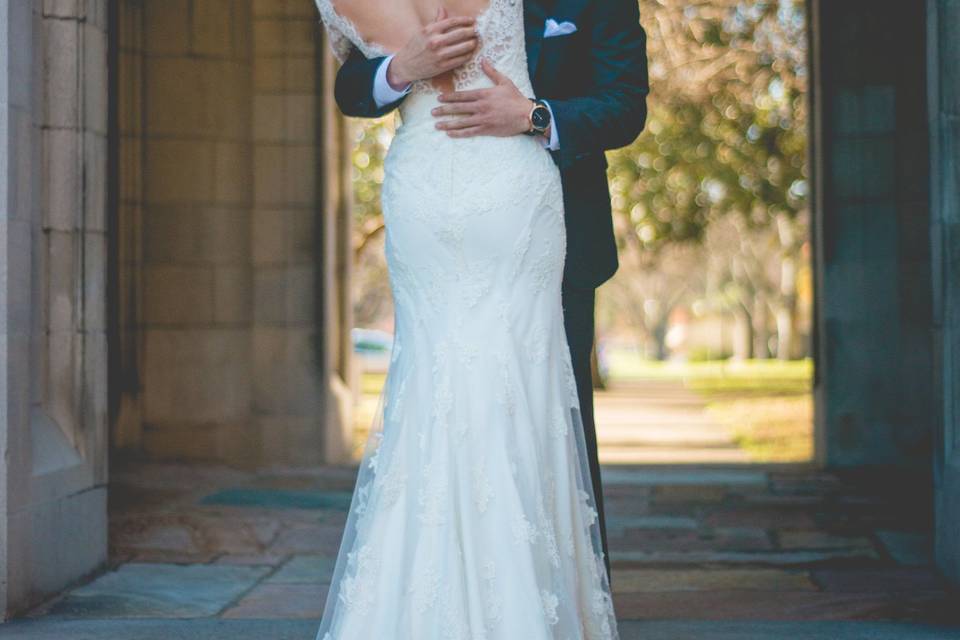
870,154
944,52
53,255
185,118
224,342
175,271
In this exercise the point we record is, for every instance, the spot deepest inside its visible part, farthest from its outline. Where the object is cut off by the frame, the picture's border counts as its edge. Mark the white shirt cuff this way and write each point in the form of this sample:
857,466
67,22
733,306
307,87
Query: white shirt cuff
383,93
554,143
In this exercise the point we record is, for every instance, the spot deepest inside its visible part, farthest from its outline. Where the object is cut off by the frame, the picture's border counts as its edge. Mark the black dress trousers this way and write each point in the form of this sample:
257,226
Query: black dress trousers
578,320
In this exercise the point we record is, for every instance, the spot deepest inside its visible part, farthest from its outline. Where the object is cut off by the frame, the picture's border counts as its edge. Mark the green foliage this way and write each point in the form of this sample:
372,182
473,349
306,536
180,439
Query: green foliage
726,132
710,375
372,137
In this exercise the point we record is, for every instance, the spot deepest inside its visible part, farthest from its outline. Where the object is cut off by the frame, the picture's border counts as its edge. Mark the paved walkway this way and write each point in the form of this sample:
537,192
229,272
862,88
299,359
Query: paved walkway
699,553
660,421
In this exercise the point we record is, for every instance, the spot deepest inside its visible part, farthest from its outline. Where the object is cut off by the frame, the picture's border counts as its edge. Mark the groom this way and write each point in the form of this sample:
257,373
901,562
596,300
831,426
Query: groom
588,66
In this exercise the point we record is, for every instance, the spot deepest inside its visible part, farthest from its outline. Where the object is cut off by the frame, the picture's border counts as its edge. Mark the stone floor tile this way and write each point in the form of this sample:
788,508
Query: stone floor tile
697,579
652,475
140,590
820,540
907,548
686,542
308,539
783,630
783,605
681,540
765,518
156,533
154,556
803,483
280,498
273,629
257,559
777,558
779,500
617,523
879,578
308,569
281,600
690,494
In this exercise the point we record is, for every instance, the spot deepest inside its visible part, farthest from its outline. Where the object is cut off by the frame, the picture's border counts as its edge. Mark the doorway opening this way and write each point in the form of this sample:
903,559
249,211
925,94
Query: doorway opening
703,345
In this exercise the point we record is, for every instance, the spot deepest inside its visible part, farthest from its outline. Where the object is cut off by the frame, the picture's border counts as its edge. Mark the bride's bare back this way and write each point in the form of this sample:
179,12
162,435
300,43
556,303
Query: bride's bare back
391,23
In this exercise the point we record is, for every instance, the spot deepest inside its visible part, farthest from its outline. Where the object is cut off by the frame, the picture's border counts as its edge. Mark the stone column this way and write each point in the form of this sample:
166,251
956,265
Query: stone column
187,202
944,73
294,279
227,225
53,364
871,221
336,257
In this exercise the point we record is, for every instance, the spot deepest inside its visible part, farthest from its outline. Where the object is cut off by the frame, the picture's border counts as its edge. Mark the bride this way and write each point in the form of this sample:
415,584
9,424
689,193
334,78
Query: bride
474,514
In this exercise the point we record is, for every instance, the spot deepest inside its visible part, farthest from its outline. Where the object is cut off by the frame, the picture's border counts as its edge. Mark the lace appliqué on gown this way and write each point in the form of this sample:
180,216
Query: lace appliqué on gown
473,516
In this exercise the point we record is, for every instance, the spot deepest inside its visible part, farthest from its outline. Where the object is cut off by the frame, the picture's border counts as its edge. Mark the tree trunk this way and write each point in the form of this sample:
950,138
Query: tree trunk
786,333
742,333
761,331
659,333
787,309
787,304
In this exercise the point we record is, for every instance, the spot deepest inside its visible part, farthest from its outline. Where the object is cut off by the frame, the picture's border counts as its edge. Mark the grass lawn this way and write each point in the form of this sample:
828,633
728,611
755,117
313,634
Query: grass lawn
767,403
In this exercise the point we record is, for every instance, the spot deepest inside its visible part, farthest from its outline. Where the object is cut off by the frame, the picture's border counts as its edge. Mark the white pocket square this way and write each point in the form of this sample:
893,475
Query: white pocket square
553,28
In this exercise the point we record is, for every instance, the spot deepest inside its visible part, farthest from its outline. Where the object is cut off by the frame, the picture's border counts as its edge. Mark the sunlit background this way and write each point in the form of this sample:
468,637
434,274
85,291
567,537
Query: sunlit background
703,335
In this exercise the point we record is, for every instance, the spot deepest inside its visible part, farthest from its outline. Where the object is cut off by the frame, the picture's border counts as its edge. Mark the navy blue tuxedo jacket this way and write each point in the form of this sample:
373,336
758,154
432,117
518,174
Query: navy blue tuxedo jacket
596,82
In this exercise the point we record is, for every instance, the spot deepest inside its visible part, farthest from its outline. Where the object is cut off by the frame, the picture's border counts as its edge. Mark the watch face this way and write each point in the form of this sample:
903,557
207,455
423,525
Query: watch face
540,117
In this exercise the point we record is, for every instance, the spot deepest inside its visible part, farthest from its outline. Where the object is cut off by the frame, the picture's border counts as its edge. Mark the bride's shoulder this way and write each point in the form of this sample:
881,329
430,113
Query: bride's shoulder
340,31
371,26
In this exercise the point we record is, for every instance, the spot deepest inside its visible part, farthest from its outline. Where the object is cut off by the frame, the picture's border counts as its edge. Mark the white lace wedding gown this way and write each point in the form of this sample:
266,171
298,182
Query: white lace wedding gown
473,515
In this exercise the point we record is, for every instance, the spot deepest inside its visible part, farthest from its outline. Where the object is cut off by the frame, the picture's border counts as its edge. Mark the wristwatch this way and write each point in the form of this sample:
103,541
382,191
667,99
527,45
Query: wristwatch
539,118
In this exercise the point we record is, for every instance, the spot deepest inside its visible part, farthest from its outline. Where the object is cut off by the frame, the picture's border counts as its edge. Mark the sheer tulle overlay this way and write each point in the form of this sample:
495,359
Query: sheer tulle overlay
473,514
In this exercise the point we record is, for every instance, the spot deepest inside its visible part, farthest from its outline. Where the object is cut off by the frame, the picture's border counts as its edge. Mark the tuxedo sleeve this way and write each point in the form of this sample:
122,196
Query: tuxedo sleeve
612,112
353,88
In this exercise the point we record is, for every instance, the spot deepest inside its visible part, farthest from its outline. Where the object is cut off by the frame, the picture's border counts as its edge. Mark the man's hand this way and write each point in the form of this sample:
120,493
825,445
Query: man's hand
444,44
500,110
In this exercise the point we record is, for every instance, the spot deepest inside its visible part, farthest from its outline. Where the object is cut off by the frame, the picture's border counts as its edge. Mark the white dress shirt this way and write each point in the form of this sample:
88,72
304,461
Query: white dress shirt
384,94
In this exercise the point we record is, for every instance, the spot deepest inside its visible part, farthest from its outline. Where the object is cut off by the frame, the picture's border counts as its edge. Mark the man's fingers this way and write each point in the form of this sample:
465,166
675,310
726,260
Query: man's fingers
463,96
457,50
466,133
456,36
449,64
446,24
456,124
441,14
491,72
454,109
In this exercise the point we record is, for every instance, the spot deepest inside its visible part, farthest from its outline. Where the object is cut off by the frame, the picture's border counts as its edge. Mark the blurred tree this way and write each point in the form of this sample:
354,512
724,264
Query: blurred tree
724,149
725,138
372,302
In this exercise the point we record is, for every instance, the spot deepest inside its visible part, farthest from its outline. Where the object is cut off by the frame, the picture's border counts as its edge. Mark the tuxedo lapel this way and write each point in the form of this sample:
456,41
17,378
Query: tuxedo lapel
535,14
534,17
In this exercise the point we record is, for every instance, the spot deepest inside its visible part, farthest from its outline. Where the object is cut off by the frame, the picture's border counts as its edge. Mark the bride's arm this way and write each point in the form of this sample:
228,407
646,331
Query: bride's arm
613,113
